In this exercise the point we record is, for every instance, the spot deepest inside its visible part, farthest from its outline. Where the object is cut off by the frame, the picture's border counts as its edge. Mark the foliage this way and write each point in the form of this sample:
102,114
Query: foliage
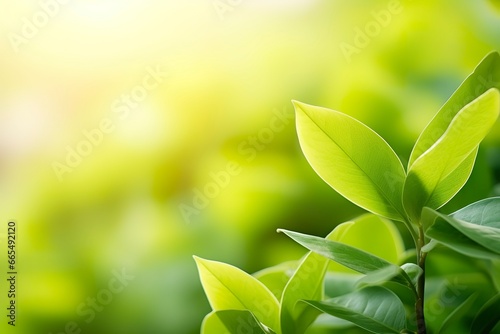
389,290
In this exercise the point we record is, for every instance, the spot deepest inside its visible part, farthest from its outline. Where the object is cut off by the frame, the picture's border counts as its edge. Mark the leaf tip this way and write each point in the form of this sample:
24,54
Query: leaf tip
298,105
198,259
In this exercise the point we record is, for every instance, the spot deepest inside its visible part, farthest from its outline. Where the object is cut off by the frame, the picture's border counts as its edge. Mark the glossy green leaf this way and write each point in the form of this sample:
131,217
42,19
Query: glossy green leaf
353,159
428,181
442,229
229,288
485,76
346,255
480,222
457,314
232,322
374,308
485,212
487,317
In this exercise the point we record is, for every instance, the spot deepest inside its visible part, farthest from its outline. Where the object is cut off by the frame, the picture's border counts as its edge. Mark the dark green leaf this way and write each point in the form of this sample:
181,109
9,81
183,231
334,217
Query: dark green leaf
487,317
457,314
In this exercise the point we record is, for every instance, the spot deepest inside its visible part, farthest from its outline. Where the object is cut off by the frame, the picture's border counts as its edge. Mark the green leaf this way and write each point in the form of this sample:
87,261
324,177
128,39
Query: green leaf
443,229
485,212
346,255
353,159
457,314
413,271
379,276
487,317
338,284
431,180
485,76
229,288
372,234
275,278
232,322
306,283
374,308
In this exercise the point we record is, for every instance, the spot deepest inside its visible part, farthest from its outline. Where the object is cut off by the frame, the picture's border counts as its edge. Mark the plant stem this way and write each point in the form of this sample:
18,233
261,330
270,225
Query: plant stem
419,305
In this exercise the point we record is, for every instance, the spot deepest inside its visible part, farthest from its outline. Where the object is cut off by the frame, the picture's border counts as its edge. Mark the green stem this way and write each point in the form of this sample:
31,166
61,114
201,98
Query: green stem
419,305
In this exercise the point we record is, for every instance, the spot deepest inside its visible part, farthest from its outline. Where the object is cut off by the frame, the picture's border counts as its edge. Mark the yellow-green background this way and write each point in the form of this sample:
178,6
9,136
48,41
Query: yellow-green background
226,75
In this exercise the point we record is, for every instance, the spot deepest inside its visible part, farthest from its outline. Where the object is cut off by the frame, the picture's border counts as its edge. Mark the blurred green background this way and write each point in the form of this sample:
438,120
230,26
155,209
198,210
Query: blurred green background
229,68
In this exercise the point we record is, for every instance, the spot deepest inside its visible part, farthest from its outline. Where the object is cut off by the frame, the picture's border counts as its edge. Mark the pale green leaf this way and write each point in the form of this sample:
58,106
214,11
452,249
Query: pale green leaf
229,288
423,185
485,76
232,322
373,308
353,159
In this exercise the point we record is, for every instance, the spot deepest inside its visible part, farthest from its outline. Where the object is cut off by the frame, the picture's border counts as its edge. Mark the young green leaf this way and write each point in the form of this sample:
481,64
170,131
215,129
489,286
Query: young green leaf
443,229
231,322
352,158
487,317
413,271
428,181
229,288
373,308
485,76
